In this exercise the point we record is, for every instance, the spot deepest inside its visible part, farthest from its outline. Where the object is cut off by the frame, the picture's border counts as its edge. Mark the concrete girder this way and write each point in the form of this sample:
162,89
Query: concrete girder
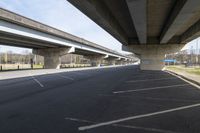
182,12
108,21
192,33
137,9
38,35
26,42
15,43
15,19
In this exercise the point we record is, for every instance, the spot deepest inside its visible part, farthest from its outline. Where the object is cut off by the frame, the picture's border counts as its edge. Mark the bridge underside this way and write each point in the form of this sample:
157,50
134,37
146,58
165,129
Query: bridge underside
146,22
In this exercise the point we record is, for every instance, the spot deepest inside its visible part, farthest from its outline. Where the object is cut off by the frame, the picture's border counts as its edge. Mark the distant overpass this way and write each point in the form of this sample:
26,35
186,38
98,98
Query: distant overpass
149,28
17,30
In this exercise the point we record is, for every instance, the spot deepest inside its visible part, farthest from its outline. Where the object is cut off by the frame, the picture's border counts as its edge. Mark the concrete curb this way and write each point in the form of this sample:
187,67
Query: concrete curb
29,73
190,80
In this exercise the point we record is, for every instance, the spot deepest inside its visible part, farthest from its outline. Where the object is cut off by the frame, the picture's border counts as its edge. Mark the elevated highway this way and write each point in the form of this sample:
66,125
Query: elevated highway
149,28
17,30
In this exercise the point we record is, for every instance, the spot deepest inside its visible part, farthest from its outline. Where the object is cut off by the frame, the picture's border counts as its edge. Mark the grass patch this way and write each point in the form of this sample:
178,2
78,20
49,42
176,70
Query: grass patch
37,66
191,70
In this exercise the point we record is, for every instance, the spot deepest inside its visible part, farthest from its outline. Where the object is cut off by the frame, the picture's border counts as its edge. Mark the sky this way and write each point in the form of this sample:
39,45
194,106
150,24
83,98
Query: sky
62,15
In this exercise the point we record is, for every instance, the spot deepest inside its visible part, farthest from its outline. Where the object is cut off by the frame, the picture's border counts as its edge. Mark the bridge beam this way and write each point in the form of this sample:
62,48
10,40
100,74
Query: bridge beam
97,10
52,56
152,56
184,11
138,13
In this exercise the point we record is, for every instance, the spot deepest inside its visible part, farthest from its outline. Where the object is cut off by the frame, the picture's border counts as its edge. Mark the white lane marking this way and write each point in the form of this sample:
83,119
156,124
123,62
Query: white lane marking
137,117
146,129
65,77
152,88
37,81
124,126
133,81
151,98
78,120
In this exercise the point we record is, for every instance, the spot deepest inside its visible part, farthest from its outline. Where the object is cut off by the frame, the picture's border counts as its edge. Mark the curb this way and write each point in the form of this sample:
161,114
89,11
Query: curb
193,81
45,71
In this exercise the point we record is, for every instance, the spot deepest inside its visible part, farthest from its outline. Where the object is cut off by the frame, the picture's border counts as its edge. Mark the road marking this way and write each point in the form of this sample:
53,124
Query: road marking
133,81
153,88
65,77
145,128
151,98
78,120
37,81
137,117
124,126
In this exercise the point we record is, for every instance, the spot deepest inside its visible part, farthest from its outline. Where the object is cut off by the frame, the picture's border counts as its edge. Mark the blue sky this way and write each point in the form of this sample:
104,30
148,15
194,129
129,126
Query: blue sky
62,15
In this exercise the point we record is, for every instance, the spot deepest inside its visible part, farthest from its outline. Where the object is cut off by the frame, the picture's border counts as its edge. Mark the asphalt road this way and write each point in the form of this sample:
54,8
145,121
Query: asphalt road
110,100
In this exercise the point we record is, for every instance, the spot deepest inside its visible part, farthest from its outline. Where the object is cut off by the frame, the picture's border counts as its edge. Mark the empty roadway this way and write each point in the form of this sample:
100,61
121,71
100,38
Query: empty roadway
109,100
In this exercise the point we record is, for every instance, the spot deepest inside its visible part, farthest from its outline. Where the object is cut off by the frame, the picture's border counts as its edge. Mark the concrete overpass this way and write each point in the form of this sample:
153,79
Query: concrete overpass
17,30
149,28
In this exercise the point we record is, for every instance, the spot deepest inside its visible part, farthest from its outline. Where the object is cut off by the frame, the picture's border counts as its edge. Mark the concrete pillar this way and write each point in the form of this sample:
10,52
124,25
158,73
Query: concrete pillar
112,62
119,61
152,61
95,60
152,56
52,56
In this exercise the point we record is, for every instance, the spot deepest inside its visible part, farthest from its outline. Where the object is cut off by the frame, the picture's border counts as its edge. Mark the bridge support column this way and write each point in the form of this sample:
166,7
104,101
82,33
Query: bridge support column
119,61
152,56
52,56
95,60
152,61
112,62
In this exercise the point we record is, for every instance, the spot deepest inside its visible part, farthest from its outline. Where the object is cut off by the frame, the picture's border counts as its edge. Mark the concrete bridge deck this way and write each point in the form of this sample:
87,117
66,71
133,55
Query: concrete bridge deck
149,28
